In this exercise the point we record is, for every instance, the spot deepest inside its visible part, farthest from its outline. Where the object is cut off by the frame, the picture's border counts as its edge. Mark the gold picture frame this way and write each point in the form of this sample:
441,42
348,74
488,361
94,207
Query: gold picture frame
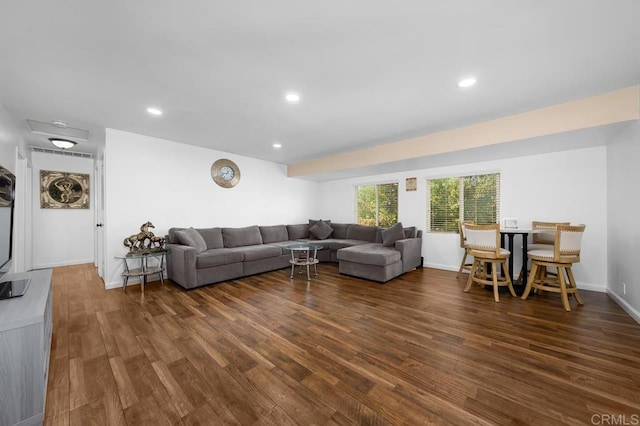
411,184
64,190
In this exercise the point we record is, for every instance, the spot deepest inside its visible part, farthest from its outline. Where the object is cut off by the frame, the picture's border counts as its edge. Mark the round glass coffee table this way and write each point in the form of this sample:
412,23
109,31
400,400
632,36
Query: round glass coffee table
304,254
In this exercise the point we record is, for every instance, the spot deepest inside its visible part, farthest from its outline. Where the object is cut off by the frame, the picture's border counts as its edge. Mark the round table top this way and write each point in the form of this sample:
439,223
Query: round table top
303,246
519,231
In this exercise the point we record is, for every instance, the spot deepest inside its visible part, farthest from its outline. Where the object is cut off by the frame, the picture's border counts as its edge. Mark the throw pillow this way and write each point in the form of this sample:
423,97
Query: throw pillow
192,238
392,234
321,230
313,222
410,232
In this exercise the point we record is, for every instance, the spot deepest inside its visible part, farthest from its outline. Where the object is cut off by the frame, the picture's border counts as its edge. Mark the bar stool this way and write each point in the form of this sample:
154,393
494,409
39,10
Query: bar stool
463,265
542,239
483,243
565,252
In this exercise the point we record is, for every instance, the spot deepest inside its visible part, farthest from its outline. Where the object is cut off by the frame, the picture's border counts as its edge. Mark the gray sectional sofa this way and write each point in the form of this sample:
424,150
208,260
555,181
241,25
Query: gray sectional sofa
198,257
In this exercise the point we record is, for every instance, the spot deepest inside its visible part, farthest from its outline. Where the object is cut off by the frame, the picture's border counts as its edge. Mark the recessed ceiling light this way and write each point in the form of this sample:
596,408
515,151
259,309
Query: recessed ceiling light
59,123
277,145
62,143
154,111
292,97
467,82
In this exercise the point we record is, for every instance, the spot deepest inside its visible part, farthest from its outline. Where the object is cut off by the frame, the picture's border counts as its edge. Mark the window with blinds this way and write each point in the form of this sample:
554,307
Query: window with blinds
377,204
466,198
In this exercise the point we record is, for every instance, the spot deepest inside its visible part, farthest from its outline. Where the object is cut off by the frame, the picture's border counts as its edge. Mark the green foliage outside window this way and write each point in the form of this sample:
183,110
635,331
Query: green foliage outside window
445,204
481,198
377,204
468,198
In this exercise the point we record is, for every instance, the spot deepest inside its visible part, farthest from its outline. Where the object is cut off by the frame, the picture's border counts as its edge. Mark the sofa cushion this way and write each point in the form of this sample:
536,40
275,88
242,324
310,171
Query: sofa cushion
339,230
370,254
171,235
392,234
361,232
240,237
321,230
217,257
337,244
257,252
297,232
410,232
274,234
212,236
192,238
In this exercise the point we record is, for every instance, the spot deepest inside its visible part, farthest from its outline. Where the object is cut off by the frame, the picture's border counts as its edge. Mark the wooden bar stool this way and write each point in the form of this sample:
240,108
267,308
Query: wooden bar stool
543,236
565,252
464,266
483,243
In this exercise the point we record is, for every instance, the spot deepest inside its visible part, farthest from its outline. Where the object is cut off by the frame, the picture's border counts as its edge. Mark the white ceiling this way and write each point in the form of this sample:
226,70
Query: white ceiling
368,71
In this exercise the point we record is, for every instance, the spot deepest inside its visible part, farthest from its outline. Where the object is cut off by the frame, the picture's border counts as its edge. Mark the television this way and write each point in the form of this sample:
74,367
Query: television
7,195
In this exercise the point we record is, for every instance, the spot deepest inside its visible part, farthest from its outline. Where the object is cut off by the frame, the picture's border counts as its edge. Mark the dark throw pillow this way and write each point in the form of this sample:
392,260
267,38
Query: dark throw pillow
321,230
392,234
192,238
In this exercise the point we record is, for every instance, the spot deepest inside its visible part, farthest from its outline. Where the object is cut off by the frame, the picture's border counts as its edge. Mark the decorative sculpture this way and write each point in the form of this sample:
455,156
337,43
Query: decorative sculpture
144,241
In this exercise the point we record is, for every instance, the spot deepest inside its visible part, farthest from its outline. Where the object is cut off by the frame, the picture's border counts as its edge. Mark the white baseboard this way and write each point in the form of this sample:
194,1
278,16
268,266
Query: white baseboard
592,287
132,281
443,267
109,286
581,286
634,313
55,264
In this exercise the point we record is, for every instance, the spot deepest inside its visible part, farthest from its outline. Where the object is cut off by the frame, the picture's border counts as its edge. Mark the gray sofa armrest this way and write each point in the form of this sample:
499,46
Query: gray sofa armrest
181,265
411,251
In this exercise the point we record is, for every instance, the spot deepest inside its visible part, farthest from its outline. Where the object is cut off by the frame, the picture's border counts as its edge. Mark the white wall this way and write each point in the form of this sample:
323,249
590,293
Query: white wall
61,236
623,154
169,184
563,186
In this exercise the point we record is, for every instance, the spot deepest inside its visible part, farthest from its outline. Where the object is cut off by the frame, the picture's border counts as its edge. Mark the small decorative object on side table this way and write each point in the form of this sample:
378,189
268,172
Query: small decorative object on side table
144,241
144,270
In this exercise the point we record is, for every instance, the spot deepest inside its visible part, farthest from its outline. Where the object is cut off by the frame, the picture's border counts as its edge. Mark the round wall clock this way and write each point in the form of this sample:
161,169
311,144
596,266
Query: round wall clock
225,173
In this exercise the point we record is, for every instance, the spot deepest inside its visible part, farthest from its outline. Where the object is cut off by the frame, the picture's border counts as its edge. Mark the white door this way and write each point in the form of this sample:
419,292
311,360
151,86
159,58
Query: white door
99,226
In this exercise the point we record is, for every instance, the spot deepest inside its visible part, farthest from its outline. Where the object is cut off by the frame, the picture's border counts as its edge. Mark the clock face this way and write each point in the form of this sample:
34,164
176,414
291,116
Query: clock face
225,173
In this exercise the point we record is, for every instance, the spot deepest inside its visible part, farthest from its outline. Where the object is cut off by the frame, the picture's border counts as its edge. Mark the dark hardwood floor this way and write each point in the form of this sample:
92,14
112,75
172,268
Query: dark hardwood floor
340,350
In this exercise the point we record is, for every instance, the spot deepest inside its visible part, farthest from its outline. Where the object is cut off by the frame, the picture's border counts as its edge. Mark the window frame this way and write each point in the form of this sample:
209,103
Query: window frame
376,184
460,177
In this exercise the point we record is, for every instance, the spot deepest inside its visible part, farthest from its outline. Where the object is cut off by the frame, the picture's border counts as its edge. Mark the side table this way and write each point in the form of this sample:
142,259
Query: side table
143,269
302,255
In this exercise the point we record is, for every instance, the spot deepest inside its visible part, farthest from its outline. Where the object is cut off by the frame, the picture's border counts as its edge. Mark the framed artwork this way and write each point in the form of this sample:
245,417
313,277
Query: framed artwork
411,184
63,190
6,187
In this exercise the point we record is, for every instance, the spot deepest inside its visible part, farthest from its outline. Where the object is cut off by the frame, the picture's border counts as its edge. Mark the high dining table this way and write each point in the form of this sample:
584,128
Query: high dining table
510,233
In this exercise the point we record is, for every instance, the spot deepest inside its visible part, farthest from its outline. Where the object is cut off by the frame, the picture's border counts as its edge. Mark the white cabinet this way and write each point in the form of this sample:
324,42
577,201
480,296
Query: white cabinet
25,344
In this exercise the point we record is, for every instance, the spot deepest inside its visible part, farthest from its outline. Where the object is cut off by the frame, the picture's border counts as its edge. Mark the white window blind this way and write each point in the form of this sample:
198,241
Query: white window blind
466,198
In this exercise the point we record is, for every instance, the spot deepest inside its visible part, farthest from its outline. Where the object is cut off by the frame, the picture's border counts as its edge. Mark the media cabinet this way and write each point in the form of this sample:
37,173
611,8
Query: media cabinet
25,344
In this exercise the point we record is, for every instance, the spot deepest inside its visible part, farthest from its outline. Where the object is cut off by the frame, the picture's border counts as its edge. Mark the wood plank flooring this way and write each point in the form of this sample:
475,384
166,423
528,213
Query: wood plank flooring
265,350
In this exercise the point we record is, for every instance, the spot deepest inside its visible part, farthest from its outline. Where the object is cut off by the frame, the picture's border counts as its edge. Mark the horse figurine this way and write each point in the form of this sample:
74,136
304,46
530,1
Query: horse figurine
144,241
156,243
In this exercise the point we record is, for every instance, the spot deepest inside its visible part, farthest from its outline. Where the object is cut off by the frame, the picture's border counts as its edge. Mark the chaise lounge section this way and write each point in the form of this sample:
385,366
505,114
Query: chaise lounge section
198,257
